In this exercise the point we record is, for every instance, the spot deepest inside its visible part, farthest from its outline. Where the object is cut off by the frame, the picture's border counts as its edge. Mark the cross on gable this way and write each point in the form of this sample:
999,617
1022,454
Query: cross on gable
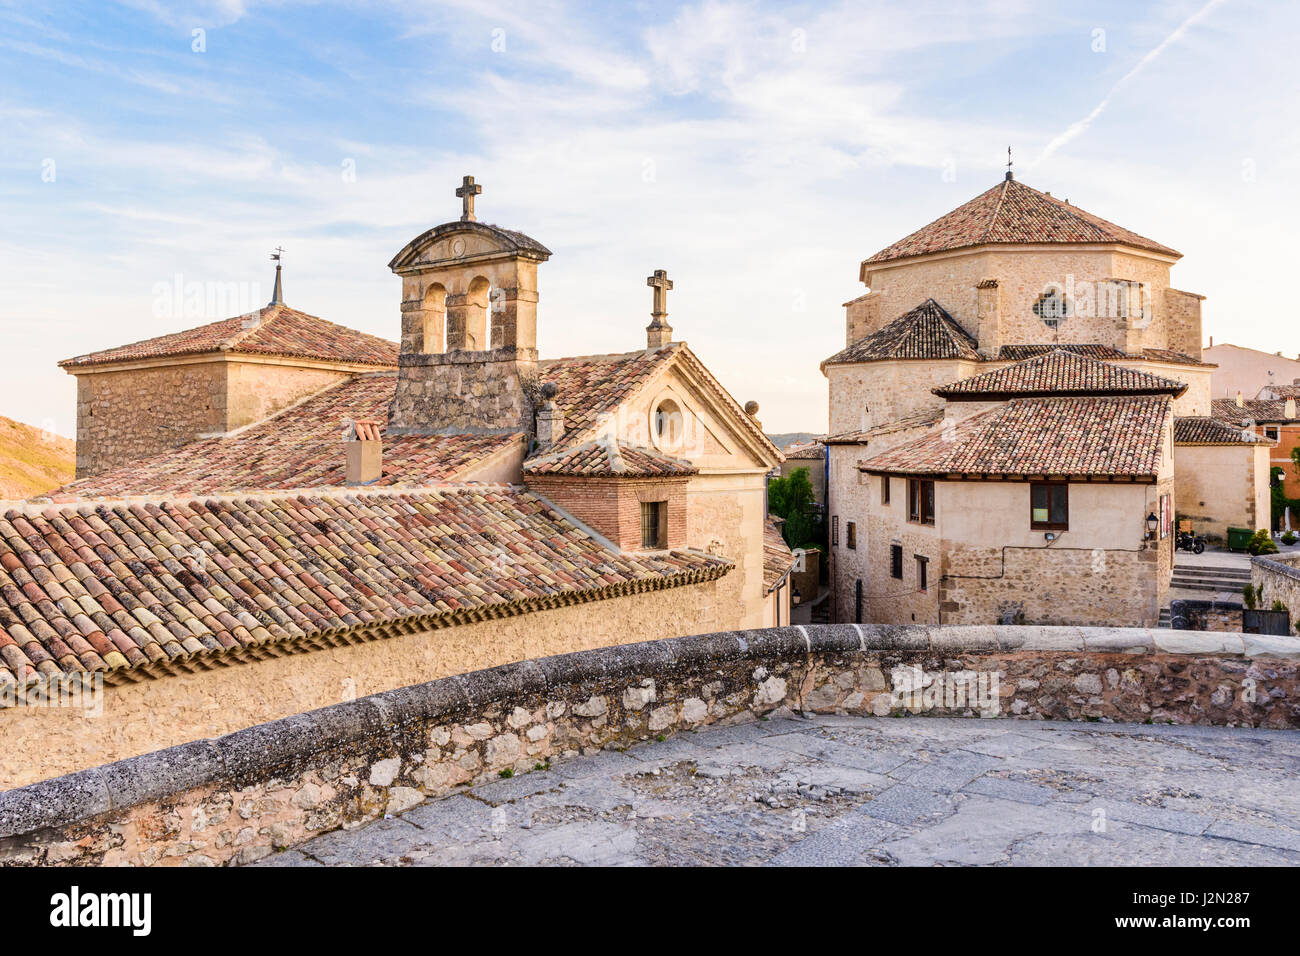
467,191
661,284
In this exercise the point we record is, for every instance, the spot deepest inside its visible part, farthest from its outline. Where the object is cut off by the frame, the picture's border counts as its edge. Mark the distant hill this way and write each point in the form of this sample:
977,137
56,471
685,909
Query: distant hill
783,439
33,462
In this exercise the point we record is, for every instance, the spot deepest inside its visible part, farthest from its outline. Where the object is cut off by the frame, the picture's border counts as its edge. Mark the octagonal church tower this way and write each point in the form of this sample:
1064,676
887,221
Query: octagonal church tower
469,327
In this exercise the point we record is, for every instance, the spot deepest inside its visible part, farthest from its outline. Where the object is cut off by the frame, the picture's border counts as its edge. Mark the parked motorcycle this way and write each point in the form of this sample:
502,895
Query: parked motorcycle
1188,541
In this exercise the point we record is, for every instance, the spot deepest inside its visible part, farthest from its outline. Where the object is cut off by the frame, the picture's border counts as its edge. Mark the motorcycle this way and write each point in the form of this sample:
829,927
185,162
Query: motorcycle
1187,541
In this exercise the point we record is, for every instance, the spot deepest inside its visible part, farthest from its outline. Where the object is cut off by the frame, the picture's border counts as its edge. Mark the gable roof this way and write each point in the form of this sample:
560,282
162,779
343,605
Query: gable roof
607,459
1012,212
143,588
1018,353
1203,430
1282,392
590,386
275,330
299,447
1059,372
926,332
809,451
511,241
1063,437
1251,410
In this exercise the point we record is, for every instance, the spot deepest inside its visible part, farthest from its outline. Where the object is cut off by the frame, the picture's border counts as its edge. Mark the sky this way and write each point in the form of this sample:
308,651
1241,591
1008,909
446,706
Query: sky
756,151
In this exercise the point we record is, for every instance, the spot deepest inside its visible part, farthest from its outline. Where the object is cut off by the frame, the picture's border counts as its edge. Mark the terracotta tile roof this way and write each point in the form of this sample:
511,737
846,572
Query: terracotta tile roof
1017,353
778,559
1252,410
1070,437
274,330
591,385
151,587
811,451
1282,391
927,332
1012,212
607,459
1203,430
1063,373
917,420
301,447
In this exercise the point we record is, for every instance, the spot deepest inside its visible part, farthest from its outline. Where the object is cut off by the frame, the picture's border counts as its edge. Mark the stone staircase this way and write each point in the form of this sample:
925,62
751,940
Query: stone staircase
1203,577
1164,617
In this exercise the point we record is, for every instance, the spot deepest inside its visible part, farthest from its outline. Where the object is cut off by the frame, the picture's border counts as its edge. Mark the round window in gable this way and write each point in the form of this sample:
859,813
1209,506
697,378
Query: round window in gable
1052,307
667,424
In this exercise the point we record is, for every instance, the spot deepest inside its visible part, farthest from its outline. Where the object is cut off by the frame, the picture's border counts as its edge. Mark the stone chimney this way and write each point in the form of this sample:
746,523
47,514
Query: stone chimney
988,317
1241,402
659,333
365,452
1289,409
550,420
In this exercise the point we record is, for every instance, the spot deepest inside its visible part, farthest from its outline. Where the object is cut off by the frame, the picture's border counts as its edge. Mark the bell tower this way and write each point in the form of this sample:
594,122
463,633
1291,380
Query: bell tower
469,326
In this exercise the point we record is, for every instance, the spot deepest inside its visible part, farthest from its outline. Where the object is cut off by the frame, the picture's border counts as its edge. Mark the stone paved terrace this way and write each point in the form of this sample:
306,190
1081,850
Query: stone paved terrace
834,790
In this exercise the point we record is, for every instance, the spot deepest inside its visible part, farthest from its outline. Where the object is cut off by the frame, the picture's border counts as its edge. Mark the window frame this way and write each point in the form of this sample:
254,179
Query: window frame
921,508
1049,525
835,531
851,535
922,572
896,561
660,511
884,489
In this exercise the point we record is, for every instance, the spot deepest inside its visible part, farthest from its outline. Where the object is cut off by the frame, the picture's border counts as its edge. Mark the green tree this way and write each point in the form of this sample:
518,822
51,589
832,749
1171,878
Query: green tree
791,497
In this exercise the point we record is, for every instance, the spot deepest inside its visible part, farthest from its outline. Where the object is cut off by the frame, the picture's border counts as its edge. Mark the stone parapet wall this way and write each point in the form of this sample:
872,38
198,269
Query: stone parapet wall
238,798
465,391
1277,577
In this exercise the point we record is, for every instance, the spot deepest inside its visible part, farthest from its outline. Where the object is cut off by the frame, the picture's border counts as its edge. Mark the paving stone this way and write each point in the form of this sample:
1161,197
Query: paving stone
1285,839
288,858
381,840
1158,818
835,751
952,771
1015,790
846,842
906,804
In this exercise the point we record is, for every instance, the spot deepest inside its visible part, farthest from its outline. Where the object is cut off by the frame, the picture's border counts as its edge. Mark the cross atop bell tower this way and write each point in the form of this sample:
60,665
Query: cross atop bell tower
659,332
467,190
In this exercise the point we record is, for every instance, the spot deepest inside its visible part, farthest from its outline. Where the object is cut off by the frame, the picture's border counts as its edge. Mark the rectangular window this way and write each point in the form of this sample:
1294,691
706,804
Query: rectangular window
922,573
1049,506
1271,433
835,531
851,535
654,530
884,489
920,500
896,561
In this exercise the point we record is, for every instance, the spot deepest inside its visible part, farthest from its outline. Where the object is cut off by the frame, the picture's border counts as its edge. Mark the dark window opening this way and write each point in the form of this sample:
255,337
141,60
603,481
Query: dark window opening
1049,506
857,602
835,530
654,525
922,573
884,489
920,500
896,561
851,535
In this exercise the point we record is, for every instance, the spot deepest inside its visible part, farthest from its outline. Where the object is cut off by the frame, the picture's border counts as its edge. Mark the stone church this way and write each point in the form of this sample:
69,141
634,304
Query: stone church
1020,415
273,513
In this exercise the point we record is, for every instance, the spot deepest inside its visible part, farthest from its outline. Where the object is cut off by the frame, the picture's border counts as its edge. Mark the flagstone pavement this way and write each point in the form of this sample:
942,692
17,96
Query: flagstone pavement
828,790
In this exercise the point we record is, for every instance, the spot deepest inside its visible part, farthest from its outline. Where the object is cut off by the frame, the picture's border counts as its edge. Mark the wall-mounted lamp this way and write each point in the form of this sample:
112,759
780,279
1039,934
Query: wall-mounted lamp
1153,524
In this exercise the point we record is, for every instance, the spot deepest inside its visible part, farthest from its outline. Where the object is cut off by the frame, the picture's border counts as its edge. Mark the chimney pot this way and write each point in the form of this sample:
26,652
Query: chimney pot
365,452
550,419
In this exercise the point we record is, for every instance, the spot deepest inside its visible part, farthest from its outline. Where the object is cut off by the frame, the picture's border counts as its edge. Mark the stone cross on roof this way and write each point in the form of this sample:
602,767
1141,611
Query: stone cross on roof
661,284
467,191
659,332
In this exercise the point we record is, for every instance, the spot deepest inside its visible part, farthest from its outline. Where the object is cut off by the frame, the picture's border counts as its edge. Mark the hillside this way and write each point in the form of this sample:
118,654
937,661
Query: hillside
32,461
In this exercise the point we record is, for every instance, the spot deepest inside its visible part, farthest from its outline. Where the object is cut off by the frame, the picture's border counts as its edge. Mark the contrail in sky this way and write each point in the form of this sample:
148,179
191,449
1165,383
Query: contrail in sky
1081,125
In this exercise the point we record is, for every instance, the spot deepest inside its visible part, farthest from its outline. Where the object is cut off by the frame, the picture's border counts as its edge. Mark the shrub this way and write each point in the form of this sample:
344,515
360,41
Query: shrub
1261,543
1289,537
1248,596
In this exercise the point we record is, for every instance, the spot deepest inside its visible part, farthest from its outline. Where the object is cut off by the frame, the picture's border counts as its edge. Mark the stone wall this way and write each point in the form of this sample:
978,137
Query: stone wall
239,798
127,415
141,716
464,391
1278,576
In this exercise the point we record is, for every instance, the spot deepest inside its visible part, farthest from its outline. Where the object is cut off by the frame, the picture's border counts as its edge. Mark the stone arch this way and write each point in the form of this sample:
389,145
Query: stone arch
433,324
476,314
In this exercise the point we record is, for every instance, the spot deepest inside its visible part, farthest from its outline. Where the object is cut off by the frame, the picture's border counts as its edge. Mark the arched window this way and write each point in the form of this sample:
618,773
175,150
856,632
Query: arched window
476,313
434,320
667,425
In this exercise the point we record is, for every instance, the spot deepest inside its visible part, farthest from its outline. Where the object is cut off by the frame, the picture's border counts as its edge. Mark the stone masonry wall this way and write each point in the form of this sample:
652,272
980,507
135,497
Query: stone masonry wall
128,415
137,717
239,798
464,391
1278,576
